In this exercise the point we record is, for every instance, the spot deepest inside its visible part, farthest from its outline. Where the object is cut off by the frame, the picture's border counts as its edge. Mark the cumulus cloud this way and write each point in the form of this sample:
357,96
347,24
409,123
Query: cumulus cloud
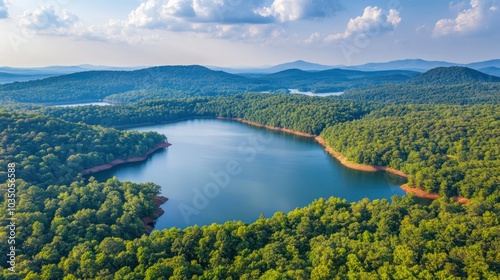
165,13
373,21
292,10
161,14
228,19
114,31
468,20
314,38
3,10
45,20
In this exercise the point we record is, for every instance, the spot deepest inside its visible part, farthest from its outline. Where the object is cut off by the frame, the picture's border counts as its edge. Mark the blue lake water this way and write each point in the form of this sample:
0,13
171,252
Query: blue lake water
219,170
84,104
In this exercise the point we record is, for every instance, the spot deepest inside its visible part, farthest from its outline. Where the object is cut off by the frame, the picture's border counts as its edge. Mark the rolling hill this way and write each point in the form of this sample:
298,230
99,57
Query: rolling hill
453,75
494,71
442,85
11,74
299,64
96,85
420,65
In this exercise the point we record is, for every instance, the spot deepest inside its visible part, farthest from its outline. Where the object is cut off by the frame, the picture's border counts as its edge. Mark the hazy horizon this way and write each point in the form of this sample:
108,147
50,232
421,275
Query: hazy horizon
235,66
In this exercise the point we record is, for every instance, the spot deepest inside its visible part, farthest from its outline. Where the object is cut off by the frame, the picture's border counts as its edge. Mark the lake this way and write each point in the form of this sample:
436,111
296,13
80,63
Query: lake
84,104
309,93
218,170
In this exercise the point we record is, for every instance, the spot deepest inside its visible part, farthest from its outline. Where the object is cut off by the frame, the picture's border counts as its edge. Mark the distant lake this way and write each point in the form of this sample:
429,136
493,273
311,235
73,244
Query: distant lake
84,104
296,91
218,170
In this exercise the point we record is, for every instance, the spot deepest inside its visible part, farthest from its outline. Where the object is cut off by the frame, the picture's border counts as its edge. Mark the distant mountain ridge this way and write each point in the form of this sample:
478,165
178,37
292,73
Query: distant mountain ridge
418,65
11,74
491,67
187,81
421,65
299,65
96,85
494,71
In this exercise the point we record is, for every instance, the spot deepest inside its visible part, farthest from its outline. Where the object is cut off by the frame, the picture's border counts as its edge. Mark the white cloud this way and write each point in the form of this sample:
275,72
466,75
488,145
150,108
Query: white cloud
161,14
261,33
421,28
3,10
373,22
468,20
314,38
45,20
292,10
115,31
228,19
253,20
148,15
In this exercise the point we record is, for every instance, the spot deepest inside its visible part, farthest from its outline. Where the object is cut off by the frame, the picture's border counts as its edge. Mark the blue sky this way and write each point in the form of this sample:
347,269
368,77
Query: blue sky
245,32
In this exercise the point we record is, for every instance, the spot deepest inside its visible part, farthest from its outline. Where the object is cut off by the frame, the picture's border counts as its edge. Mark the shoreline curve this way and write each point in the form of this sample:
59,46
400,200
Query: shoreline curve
418,192
116,162
149,222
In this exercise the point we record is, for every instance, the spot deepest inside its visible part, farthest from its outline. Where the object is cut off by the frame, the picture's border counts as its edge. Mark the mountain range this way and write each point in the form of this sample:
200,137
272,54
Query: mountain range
491,67
11,74
194,80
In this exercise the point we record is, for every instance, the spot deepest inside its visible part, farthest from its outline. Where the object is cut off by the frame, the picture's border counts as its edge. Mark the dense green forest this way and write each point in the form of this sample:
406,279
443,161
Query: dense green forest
460,94
185,81
297,112
52,222
330,239
69,228
52,151
451,150
334,80
446,149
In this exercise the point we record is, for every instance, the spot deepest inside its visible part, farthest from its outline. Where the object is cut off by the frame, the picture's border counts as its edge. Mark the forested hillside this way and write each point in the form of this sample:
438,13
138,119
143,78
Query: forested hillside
96,85
185,81
297,112
52,151
53,223
452,76
334,80
460,94
444,85
330,239
451,150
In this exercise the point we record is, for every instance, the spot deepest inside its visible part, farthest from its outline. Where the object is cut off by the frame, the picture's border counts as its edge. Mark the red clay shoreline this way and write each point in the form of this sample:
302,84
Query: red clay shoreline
149,222
122,161
356,166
